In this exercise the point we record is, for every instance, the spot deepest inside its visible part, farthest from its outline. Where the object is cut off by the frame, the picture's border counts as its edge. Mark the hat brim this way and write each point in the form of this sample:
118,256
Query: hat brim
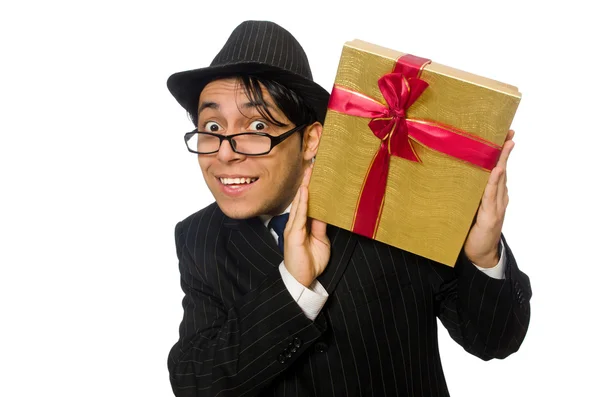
186,86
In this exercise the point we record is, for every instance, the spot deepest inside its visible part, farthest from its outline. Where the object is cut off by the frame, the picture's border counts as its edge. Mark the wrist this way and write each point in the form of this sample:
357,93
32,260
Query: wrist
306,281
486,261
304,278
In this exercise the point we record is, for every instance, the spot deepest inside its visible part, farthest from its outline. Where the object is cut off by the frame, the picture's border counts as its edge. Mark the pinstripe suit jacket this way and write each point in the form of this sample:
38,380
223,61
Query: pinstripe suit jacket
242,334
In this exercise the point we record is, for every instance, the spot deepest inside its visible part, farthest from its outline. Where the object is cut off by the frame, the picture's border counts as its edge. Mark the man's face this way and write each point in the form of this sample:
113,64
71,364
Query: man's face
273,178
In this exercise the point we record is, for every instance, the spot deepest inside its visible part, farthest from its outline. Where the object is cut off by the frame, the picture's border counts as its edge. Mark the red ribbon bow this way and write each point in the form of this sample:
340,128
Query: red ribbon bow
400,93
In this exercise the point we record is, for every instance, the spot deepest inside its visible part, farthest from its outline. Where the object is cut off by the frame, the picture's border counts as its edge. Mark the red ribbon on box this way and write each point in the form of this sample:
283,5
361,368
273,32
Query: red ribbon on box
401,89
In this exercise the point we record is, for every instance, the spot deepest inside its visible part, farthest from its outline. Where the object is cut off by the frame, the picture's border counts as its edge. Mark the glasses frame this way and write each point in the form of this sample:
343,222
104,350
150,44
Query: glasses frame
275,140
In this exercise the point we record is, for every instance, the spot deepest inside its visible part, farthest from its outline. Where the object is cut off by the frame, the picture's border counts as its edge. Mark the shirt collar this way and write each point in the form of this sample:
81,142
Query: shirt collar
267,218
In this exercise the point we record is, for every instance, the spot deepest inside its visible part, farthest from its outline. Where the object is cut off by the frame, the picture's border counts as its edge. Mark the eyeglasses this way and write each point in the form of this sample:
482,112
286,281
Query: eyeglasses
247,143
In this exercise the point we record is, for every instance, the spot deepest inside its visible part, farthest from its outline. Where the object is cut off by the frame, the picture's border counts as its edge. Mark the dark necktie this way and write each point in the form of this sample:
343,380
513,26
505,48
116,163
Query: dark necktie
278,225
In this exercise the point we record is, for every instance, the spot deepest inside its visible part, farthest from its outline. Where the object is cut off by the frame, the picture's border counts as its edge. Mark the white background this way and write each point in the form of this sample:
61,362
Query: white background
95,175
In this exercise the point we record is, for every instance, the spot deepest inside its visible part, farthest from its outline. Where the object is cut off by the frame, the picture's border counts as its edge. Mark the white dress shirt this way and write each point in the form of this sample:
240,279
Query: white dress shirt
311,299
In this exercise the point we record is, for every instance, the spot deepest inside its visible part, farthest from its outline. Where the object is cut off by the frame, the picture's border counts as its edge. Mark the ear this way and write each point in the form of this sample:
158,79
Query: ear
312,137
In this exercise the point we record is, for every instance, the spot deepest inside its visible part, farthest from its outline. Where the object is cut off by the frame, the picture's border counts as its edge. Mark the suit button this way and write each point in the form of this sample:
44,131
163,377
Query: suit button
281,359
520,295
321,347
297,342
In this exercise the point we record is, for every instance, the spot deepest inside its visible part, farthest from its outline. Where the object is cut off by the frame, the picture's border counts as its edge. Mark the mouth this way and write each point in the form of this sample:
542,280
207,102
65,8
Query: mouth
237,182
236,186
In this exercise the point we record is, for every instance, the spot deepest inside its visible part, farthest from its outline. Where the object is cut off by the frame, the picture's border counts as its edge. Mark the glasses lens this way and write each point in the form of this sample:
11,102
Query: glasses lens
202,143
252,144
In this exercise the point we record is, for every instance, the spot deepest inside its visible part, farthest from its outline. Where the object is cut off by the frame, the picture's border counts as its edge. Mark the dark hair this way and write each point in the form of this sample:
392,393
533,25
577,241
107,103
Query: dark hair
291,104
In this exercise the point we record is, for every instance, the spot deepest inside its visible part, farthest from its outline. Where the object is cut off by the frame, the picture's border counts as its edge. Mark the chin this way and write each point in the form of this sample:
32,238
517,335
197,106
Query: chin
237,210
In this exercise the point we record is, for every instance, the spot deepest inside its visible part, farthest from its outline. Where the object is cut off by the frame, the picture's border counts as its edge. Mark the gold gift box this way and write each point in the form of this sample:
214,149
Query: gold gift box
429,206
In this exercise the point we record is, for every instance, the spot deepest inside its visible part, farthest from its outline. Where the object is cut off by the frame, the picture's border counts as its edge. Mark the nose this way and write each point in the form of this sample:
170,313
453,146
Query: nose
226,153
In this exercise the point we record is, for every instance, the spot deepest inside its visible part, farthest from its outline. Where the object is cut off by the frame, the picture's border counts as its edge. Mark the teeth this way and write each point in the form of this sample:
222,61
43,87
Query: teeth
237,181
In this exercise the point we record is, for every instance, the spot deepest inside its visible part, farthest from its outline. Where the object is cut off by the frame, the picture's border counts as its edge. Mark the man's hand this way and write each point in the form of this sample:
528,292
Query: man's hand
481,246
306,246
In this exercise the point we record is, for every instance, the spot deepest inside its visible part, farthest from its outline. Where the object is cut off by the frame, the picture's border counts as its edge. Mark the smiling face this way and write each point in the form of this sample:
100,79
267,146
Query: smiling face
247,186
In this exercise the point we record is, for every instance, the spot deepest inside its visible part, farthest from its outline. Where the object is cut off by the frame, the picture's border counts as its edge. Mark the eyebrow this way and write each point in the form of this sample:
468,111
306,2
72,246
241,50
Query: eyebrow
208,105
246,105
252,105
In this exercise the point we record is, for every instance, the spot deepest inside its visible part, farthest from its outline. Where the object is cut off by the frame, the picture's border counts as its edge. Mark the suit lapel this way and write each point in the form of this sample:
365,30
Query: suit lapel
342,246
253,245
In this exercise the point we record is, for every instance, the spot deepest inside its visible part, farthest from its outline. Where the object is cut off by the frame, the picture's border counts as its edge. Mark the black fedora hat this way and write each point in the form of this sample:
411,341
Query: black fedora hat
260,48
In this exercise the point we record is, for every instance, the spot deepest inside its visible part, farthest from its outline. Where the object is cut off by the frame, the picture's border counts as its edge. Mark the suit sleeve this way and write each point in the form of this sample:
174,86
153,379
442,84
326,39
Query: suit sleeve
488,317
238,350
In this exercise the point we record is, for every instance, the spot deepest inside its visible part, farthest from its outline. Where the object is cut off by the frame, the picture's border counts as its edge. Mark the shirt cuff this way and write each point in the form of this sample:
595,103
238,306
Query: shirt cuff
311,300
497,271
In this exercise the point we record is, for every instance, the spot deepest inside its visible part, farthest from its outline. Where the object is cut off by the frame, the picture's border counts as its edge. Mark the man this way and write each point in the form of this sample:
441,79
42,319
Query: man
335,314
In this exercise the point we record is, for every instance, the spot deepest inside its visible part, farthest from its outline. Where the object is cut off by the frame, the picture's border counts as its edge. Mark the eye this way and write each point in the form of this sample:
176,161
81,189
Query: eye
258,125
211,126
